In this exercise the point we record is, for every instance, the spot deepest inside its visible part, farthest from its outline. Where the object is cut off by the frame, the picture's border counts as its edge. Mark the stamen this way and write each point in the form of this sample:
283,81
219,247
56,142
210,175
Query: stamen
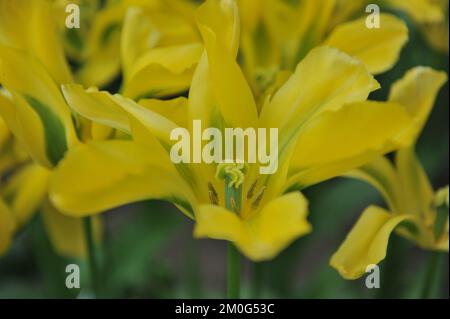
251,191
213,196
258,199
234,205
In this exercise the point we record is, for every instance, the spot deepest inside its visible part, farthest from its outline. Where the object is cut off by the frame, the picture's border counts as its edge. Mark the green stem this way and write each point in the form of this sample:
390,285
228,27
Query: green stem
234,272
233,203
257,280
92,260
432,273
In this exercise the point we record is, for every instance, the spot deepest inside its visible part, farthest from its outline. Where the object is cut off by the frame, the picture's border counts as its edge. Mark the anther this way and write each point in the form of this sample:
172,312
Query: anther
258,199
251,191
234,205
213,197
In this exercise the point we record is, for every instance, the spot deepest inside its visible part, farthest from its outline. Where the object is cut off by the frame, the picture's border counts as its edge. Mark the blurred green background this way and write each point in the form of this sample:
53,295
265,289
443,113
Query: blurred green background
149,252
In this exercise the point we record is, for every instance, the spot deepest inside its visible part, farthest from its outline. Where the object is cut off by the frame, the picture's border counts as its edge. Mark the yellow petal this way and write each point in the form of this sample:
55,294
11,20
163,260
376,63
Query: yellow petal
175,110
42,116
115,111
263,236
22,18
4,133
218,22
437,34
201,100
157,125
7,226
382,175
337,141
420,10
101,132
8,122
417,91
377,48
67,234
107,174
102,61
96,106
416,186
163,71
220,19
367,242
325,80
26,191
144,30
102,67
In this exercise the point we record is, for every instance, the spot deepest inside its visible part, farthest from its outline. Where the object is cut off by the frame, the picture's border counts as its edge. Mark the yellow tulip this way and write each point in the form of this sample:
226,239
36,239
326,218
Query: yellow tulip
430,16
159,50
23,192
404,186
121,36
420,11
276,35
323,101
436,32
40,124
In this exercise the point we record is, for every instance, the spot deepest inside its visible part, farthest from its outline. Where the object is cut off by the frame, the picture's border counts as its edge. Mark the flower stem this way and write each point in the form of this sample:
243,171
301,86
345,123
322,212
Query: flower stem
257,280
91,255
432,273
233,203
234,272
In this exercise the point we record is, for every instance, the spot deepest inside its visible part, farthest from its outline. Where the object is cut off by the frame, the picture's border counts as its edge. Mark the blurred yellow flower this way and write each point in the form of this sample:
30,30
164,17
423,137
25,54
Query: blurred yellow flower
430,16
38,119
412,207
276,35
23,192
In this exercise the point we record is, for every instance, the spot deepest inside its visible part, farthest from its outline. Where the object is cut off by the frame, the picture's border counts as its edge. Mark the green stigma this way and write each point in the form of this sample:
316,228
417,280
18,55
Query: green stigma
234,173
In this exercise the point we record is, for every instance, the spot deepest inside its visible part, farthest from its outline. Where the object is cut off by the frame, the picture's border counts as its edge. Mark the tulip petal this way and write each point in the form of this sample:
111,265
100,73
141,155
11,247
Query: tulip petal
367,242
417,91
416,186
21,18
44,122
163,71
377,48
26,191
325,80
175,110
382,175
262,236
338,141
118,112
422,11
107,174
96,106
67,234
218,22
157,125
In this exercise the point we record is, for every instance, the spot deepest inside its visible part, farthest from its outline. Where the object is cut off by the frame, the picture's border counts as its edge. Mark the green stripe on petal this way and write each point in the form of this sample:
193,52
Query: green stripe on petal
54,131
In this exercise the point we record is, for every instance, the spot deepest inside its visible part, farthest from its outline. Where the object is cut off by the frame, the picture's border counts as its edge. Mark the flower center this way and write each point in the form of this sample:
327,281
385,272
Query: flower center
233,175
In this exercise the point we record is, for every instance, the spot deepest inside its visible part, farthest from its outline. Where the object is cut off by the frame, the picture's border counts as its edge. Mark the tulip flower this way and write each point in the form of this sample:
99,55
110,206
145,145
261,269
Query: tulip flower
326,128
24,191
415,211
431,16
40,124
276,35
